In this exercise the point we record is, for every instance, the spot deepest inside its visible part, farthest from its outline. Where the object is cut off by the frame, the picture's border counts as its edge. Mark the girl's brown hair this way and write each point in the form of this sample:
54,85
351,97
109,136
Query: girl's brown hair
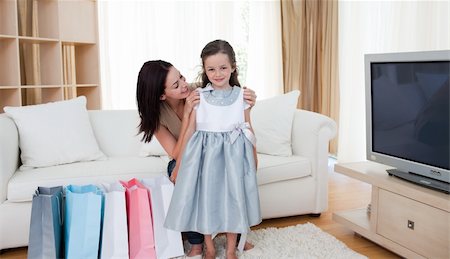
212,48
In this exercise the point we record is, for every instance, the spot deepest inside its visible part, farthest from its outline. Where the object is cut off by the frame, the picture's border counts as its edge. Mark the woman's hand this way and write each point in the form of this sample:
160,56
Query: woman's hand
173,175
191,101
173,178
249,96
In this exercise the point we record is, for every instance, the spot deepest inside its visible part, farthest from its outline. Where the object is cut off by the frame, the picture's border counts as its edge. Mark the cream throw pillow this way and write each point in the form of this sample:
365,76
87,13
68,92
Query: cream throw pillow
152,148
55,133
272,123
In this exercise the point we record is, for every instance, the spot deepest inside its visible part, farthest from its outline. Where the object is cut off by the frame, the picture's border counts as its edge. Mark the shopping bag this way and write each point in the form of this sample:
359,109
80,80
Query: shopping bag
168,242
140,225
46,224
82,221
115,230
242,241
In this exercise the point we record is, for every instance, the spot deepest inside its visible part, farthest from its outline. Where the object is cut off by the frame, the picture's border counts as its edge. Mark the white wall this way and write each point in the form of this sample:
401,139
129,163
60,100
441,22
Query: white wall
379,27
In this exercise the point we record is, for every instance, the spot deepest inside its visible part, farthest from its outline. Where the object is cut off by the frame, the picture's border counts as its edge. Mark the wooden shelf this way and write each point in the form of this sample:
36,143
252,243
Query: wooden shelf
39,86
44,15
51,53
46,62
4,36
9,97
8,18
73,28
27,39
357,217
394,204
376,175
9,62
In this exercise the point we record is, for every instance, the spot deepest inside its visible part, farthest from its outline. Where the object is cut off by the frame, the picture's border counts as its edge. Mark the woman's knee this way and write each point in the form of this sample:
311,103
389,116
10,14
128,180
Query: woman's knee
194,238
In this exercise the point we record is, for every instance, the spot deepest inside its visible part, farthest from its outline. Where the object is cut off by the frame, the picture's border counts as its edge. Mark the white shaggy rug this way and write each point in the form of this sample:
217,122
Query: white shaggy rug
300,241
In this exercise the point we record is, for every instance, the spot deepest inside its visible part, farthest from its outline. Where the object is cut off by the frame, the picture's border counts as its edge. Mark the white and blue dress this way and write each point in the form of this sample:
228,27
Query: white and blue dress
216,189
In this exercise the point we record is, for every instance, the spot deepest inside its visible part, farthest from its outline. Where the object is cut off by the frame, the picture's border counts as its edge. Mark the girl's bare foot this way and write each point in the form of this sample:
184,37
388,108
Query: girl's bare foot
195,250
210,254
248,246
231,255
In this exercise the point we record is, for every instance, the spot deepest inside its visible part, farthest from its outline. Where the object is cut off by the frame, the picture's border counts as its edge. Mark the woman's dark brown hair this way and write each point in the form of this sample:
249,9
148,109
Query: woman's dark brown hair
213,48
150,87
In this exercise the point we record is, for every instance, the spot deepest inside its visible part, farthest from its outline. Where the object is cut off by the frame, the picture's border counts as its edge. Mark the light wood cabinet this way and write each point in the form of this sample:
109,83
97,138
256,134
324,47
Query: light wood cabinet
407,219
58,42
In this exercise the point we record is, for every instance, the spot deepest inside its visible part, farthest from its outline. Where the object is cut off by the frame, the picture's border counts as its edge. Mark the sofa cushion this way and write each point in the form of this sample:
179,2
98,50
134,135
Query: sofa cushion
125,134
127,141
277,168
22,185
55,133
152,148
272,122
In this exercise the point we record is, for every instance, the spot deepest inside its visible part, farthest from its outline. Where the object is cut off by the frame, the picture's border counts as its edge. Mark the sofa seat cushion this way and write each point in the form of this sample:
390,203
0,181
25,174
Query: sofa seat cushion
22,185
278,168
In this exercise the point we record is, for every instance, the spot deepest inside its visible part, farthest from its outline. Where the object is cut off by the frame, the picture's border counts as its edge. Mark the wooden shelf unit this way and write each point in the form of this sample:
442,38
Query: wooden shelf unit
407,219
59,25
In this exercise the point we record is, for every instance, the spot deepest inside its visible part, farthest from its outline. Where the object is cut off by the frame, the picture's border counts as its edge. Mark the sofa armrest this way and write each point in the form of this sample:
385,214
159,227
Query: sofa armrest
9,153
311,133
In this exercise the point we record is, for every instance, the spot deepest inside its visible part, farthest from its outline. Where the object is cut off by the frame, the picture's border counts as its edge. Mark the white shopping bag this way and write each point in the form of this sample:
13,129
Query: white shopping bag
115,231
242,241
168,242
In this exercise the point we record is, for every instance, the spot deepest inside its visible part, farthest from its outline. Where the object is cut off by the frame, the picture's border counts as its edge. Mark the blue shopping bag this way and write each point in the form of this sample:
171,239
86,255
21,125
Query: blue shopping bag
83,220
46,224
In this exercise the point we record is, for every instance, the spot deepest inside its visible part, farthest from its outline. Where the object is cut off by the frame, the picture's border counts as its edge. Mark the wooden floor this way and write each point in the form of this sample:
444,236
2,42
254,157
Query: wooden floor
344,193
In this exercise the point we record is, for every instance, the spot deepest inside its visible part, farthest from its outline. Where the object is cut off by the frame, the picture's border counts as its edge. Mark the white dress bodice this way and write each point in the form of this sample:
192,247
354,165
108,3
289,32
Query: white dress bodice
220,117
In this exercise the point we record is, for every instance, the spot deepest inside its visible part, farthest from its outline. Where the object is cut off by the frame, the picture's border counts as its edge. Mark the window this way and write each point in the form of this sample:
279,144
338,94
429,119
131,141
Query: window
132,32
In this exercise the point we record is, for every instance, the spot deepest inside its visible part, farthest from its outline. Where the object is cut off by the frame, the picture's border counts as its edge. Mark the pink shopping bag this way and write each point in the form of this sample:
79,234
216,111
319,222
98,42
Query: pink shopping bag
140,225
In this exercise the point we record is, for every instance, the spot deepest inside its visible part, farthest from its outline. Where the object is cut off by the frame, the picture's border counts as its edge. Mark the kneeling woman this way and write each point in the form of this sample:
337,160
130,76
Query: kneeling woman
165,102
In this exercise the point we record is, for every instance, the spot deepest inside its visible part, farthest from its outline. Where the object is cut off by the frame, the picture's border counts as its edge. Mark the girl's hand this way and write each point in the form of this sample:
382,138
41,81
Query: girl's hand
191,101
249,96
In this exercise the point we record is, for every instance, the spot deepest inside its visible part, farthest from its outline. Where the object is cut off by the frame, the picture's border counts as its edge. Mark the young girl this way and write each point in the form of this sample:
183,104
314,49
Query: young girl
216,188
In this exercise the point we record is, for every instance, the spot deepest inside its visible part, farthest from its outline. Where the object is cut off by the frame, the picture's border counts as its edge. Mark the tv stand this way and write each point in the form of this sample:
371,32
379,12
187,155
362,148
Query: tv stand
405,218
421,180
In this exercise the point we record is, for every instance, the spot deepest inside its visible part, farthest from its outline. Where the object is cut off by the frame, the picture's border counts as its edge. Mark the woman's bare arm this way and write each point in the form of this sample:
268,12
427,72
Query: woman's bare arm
170,144
247,119
188,134
166,139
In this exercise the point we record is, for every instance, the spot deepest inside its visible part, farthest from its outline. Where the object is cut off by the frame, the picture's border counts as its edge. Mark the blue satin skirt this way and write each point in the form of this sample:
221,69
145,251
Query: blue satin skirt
216,189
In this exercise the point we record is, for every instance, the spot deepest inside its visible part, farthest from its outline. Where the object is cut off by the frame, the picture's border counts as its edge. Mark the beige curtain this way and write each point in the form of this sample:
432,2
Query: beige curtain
310,55
30,70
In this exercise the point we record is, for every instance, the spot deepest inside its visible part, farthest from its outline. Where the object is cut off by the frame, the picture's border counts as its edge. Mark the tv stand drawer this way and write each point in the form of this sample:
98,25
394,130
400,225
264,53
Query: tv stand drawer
421,228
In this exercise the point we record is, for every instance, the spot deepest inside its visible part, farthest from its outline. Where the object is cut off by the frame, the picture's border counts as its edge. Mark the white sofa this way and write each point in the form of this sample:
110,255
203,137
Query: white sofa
288,186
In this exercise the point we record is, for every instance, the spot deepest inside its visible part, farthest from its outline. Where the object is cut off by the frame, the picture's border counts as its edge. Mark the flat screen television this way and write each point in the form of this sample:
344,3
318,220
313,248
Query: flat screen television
408,115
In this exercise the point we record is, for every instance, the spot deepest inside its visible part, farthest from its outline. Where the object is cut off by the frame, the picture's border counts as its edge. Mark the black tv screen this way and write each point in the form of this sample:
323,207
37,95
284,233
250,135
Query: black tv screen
410,111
